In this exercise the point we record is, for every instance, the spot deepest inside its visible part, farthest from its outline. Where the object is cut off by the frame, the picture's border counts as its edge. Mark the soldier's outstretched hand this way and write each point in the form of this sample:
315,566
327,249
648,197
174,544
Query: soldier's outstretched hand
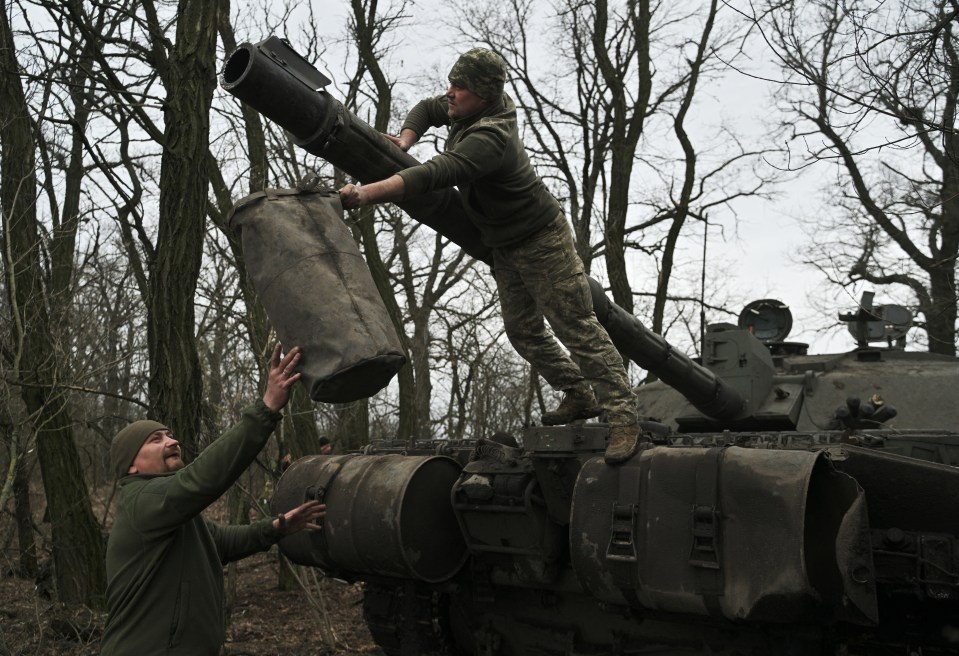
299,518
282,376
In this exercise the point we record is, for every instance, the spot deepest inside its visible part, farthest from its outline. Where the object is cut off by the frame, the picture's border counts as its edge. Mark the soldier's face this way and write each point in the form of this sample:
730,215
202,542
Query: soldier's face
462,102
160,454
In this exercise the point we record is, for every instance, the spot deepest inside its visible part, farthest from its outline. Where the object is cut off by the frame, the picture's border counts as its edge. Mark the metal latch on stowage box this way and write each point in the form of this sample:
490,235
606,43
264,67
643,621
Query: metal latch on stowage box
705,547
325,480
622,538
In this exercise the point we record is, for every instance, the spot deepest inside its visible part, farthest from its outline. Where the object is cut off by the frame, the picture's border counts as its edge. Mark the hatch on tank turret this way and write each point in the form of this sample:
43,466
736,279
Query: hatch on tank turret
769,320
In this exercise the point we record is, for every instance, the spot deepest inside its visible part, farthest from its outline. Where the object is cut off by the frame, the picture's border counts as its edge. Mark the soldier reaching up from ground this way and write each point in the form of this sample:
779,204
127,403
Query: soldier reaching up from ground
538,273
164,559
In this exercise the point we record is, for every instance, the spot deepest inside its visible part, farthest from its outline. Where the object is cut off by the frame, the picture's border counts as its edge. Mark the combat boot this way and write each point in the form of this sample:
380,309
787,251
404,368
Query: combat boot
576,404
623,443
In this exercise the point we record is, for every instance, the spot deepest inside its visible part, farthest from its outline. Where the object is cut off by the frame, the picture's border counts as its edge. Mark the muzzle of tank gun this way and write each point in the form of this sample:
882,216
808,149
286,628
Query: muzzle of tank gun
278,83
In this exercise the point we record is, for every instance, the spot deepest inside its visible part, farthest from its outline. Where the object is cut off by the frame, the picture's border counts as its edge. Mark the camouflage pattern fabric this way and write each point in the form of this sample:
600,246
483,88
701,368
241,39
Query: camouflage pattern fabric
481,71
543,278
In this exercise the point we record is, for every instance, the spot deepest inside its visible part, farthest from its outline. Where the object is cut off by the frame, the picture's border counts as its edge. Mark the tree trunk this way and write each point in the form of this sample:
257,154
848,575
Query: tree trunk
365,228
302,436
368,29
628,123
689,177
18,480
420,361
175,386
24,516
904,201
352,425
941,318
77,544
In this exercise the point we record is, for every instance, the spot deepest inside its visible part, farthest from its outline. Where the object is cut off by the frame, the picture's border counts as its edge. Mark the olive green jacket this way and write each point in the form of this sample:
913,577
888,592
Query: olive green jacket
165,561
487,160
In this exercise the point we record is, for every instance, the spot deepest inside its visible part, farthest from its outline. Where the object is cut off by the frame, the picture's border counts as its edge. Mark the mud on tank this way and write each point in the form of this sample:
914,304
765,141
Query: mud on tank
817,517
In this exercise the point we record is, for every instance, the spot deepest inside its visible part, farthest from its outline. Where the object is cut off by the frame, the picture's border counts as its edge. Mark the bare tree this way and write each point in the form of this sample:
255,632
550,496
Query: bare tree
16,482
36,302
367,27
489,387
428,273
187,69
872,89
619,74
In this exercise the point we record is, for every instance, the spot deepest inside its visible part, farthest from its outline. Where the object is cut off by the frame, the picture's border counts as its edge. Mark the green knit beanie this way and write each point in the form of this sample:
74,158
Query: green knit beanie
126,445
481,71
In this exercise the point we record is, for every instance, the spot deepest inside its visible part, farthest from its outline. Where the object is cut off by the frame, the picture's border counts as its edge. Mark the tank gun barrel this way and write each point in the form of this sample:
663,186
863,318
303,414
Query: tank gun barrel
273,79
709,393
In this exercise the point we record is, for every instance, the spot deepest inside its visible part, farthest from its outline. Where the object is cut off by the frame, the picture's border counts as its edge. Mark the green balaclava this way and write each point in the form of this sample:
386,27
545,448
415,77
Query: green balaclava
126,445
481,71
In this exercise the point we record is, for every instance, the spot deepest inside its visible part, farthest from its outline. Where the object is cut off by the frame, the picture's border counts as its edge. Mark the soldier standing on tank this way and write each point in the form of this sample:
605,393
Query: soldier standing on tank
538,272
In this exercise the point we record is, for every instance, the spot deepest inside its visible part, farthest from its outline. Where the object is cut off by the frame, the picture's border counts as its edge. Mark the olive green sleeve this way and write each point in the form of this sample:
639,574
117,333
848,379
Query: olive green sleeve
237,541
426,114
478,153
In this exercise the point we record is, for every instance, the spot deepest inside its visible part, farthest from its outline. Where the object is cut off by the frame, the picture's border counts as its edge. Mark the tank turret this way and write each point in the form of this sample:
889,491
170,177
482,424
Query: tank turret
788,503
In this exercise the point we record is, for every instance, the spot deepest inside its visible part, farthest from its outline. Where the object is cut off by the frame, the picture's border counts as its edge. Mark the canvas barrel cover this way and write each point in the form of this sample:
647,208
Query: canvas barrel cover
318,291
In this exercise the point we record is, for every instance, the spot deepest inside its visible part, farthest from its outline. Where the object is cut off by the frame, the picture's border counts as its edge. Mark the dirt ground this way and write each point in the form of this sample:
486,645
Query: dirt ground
265,621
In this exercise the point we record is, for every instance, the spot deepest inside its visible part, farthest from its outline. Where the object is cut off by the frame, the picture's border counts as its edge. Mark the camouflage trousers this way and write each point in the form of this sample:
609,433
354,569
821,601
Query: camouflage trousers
543,278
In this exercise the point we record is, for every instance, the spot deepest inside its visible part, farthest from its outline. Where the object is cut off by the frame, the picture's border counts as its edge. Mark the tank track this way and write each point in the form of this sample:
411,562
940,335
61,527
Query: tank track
407,619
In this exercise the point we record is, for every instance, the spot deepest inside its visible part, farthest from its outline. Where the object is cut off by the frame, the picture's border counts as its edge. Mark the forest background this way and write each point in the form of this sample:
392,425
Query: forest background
666,131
